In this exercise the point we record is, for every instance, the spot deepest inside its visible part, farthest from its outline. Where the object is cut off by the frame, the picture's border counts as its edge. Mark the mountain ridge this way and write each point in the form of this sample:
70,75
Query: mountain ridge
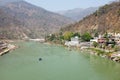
78,13
106,19
33,21
4,2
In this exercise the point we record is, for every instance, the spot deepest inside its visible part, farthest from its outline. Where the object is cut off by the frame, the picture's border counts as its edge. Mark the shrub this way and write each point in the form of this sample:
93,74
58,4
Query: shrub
95,44
117,48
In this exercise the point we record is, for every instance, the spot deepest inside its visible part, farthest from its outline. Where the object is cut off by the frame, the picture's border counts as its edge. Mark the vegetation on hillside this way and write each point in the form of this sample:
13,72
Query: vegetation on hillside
106,19
86,37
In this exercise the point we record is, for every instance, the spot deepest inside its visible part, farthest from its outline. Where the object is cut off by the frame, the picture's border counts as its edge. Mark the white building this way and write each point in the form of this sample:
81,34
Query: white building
117,35
94,40
74,42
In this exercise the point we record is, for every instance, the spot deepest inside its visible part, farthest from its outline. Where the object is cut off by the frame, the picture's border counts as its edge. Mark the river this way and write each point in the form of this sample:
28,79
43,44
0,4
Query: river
58,63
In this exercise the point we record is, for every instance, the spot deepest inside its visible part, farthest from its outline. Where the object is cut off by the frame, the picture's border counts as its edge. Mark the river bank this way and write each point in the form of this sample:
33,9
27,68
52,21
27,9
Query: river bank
114,56
109,54
6,46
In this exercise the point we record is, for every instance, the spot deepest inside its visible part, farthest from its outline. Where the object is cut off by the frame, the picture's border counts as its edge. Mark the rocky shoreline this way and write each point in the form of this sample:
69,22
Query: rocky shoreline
5,47
114,56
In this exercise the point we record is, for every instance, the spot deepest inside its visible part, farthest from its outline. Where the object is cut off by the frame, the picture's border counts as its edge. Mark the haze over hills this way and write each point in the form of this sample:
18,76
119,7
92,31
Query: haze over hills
19,19
78,13
106,19
4,2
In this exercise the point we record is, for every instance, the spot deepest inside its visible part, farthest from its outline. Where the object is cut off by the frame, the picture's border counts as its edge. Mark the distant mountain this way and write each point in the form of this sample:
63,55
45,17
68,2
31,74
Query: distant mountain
78,13
28,20
4,2
106,19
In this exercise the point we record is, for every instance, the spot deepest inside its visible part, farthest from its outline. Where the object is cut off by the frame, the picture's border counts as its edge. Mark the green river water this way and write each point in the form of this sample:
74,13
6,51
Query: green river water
58,63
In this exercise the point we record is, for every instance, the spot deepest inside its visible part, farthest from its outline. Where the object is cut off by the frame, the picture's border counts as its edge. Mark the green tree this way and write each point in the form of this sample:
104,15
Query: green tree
76,34
106,35
86,37
95,44
67,35
96,34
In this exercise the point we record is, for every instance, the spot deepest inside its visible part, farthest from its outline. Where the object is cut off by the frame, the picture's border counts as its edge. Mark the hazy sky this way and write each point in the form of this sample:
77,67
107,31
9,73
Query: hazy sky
58,5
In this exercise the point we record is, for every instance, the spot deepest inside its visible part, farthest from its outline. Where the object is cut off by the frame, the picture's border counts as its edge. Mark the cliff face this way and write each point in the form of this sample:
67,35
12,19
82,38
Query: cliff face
106,19
19,18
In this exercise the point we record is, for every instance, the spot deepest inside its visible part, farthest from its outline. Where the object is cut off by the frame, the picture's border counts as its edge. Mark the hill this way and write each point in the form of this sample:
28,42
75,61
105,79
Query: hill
30,21
106,19
78,13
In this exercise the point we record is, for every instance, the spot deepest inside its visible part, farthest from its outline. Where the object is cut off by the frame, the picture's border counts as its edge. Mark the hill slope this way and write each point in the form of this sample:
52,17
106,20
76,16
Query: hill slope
106,19
78,13
33,21
9,27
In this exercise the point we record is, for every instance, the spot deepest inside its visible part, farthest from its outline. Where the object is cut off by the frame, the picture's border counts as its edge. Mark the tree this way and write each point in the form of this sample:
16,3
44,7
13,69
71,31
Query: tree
95,44
106,35
96,34
86,37
67,35
76,34
51,37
